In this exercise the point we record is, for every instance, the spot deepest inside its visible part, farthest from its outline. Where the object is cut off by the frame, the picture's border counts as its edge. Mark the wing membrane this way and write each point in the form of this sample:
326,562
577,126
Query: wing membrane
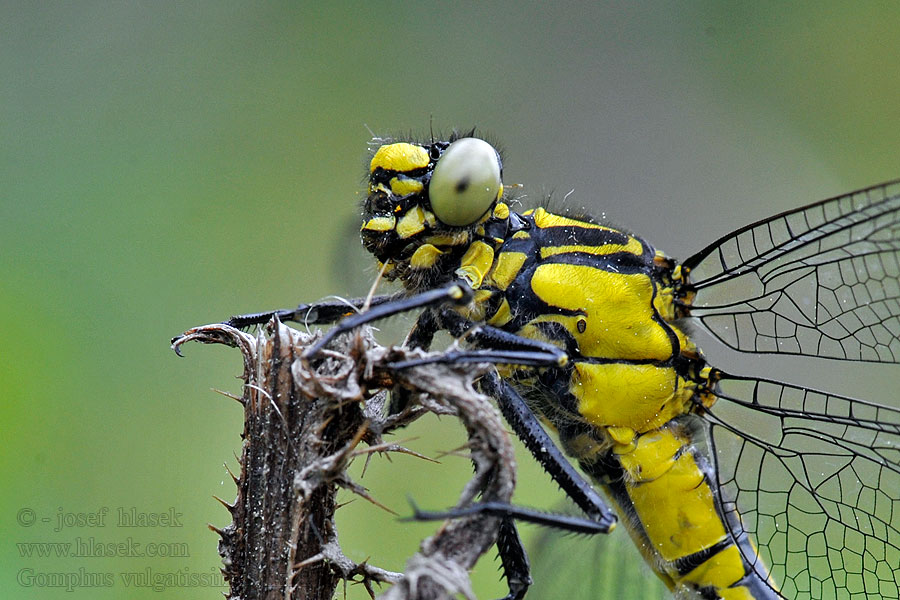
823,280
816,480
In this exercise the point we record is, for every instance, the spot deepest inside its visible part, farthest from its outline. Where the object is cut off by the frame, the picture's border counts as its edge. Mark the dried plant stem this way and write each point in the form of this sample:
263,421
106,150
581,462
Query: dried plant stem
303,423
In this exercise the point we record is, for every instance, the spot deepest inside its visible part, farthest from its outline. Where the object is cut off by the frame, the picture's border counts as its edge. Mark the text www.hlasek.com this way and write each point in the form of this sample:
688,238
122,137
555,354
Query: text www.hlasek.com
90,548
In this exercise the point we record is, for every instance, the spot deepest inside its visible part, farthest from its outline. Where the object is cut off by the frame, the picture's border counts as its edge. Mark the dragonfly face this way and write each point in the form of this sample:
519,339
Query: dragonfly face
718,509
425,200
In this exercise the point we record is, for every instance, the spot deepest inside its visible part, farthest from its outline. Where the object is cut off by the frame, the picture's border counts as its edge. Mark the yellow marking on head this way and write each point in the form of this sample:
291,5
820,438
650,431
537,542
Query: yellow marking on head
411,223
400,157
501,211
402,186
430,219
424,257
475,263
379,224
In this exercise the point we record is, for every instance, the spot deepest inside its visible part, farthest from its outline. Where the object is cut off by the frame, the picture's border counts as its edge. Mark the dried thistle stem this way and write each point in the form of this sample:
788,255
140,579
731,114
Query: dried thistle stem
303,422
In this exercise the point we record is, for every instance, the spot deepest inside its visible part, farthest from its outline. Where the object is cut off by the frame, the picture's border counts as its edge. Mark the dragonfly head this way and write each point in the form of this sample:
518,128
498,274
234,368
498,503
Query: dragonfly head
424,199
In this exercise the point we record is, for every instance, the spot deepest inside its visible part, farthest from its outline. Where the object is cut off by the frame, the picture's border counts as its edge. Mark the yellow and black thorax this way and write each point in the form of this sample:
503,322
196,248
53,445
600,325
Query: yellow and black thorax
604,296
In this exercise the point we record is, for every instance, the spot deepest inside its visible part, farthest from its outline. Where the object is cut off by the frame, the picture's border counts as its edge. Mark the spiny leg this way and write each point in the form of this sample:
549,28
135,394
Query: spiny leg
491,344
515,410
525,424
529,430
457,292
318,313
601,519
514,559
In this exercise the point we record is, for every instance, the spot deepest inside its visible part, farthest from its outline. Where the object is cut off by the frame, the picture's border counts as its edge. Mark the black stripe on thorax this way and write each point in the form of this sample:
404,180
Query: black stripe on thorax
523,245
567,235
623,263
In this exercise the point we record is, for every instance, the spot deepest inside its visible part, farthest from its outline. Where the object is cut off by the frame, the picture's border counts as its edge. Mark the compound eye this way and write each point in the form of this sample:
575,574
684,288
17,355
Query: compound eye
465,183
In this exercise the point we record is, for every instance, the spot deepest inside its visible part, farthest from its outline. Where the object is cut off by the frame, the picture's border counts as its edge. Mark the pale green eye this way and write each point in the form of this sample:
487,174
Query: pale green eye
465,183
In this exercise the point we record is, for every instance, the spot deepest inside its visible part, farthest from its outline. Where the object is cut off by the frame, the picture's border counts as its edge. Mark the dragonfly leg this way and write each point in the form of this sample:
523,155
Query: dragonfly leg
457,292
318,313
516,568
491,344
528,428
600,518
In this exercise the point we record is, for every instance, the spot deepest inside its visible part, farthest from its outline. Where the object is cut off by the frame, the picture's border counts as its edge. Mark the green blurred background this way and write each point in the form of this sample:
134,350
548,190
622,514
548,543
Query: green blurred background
166,165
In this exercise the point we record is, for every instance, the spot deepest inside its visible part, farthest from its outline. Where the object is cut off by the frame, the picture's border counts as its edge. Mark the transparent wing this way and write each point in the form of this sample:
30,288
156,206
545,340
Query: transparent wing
815,478
823,280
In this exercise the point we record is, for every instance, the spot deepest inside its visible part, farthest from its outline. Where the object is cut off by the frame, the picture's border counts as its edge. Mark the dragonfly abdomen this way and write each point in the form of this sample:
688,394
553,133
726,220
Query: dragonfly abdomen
661,486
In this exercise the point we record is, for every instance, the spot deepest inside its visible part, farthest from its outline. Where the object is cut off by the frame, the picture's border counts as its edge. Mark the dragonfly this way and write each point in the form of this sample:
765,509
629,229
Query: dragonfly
731,485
